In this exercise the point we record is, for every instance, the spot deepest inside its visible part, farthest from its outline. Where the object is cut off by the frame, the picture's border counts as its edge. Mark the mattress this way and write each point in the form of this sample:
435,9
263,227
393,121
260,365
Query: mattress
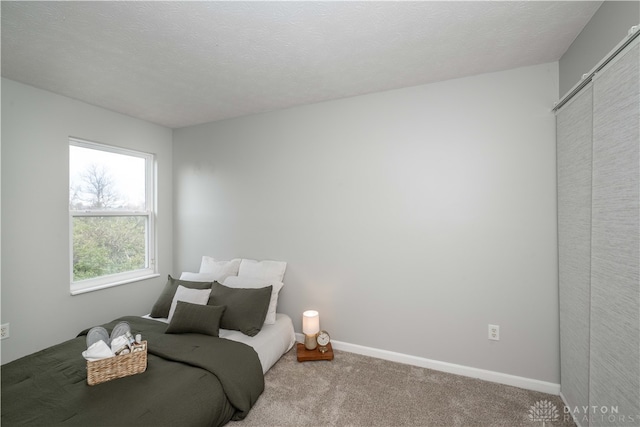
270,343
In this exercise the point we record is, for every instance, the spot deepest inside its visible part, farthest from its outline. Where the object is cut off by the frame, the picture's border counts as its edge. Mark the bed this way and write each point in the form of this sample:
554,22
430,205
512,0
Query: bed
192,378
270,344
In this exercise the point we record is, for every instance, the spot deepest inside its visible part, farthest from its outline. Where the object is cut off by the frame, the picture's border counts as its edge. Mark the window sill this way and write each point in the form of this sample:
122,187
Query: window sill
97,287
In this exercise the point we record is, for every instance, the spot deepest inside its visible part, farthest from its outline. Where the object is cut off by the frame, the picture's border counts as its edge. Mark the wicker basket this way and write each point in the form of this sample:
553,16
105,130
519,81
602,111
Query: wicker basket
103,370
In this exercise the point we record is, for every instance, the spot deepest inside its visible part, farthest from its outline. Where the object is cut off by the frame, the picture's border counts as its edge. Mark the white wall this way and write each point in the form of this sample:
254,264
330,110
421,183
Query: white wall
36,126
411,219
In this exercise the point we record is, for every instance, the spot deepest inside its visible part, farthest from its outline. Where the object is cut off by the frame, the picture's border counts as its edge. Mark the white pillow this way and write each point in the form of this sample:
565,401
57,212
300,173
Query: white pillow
253,283
266,270
194,296
198,277
219,269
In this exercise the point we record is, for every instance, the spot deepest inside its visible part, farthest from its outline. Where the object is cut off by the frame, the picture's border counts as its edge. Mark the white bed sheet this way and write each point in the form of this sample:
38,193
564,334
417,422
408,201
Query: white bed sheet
270,343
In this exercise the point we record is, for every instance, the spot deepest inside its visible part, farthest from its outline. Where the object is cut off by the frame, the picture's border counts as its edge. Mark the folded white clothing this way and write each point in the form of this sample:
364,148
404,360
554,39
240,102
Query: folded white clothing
118,342
98,350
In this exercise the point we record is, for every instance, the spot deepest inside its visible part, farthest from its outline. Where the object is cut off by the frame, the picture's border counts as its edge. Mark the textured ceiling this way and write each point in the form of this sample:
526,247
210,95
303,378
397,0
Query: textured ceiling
184,63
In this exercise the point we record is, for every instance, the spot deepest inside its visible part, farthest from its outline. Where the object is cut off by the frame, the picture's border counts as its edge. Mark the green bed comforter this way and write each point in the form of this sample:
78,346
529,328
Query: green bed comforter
191,380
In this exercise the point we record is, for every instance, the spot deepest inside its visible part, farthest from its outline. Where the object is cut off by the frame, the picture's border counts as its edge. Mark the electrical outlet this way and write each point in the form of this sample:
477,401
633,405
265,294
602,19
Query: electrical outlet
494,332
4,331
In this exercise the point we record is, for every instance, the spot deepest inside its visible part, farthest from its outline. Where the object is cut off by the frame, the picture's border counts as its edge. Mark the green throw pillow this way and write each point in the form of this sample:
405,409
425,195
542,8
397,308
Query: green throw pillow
246,308
195,318
163,304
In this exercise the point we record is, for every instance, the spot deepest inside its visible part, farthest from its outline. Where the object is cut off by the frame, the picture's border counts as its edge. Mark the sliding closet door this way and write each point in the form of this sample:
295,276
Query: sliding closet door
615,249
574,132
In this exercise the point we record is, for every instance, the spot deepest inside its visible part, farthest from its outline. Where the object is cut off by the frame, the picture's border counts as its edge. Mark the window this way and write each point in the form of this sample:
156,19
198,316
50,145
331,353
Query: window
111,215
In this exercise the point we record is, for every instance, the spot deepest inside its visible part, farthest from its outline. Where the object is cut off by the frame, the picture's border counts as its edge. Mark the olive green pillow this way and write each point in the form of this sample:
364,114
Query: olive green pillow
195,318
163,304
246,308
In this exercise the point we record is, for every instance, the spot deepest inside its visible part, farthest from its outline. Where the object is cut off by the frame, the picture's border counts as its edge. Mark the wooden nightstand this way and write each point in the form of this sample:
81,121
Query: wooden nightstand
305,355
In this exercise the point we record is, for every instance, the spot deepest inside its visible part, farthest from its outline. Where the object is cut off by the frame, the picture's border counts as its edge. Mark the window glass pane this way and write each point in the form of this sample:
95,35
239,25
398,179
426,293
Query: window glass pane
108,245
101,180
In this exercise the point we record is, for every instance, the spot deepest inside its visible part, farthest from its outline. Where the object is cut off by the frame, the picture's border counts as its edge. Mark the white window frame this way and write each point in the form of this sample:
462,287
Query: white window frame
107,281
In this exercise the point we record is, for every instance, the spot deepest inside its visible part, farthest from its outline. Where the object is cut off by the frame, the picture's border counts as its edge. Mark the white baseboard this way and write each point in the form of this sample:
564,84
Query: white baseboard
452,368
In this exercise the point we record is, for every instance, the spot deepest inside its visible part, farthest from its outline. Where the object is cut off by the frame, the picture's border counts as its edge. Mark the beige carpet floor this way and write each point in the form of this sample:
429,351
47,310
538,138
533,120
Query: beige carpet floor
355,390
